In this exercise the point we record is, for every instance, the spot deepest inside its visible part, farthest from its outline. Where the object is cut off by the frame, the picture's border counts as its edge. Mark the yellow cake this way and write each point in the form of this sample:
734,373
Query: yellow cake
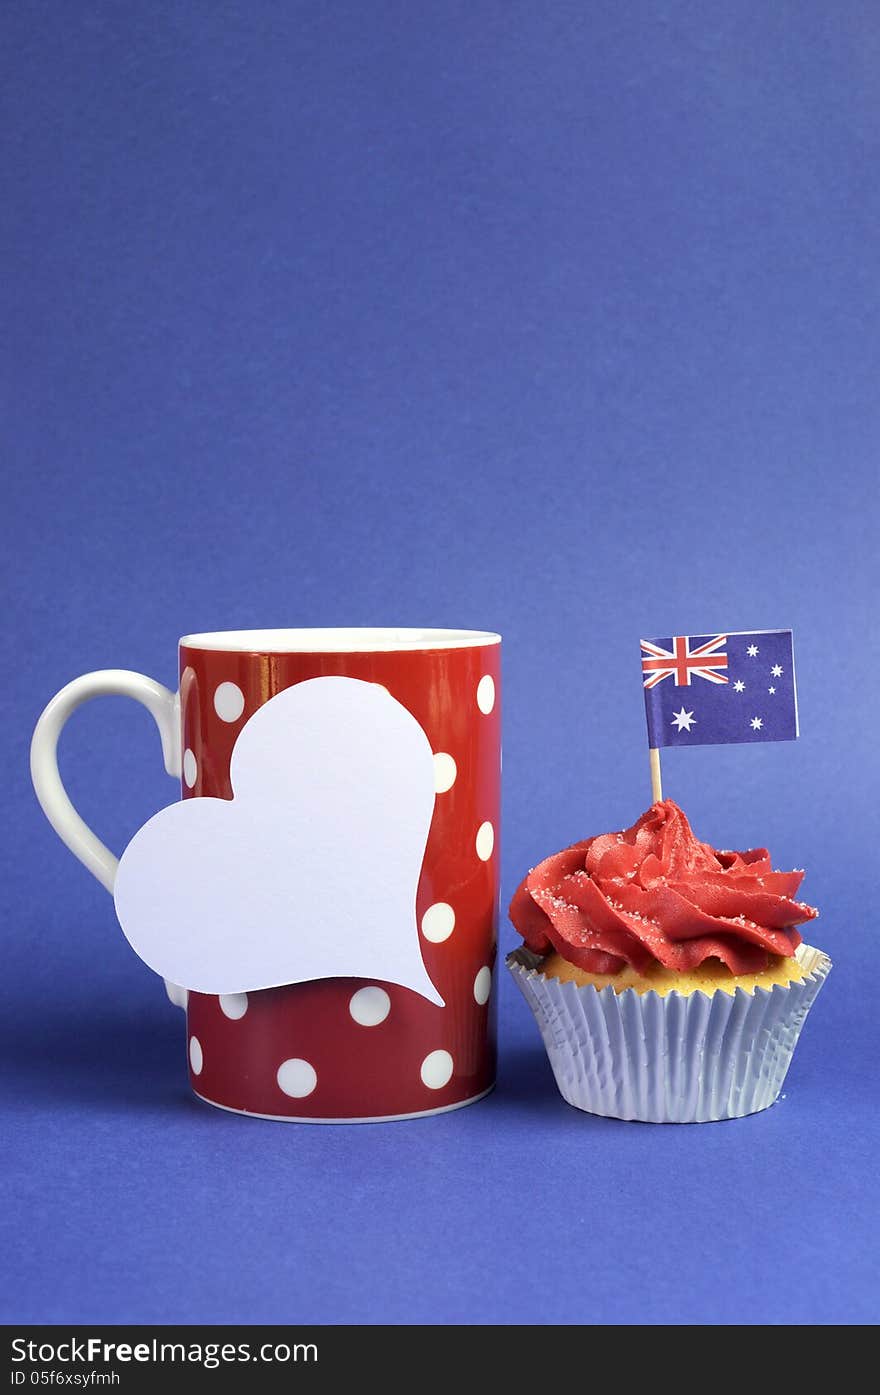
709,977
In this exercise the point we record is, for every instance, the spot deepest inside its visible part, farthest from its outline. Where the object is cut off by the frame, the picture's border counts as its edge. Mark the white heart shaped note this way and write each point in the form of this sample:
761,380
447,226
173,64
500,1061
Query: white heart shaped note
310,870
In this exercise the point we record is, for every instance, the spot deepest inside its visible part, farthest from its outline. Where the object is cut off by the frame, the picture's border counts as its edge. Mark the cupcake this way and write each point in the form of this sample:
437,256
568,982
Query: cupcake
669,980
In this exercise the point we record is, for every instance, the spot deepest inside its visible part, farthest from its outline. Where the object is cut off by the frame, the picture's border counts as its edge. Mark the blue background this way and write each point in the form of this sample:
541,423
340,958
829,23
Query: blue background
555,319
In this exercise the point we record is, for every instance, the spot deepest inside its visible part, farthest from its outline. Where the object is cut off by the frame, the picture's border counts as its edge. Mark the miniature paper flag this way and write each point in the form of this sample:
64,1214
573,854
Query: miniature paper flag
311,870
707,690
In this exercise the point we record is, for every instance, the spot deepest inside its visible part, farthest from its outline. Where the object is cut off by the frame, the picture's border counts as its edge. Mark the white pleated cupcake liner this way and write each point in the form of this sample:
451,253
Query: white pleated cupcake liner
669,1060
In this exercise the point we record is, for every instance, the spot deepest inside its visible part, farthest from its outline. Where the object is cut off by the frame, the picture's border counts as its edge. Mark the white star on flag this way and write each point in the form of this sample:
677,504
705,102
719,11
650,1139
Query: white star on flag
739,686
683,721
771,690
757,723
752,651
776,671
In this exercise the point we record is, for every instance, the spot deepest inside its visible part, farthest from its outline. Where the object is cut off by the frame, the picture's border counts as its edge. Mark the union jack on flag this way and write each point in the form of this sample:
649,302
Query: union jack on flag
681,662
747,692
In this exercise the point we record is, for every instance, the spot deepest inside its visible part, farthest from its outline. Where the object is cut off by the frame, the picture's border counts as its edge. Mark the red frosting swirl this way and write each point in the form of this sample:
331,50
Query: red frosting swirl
655,894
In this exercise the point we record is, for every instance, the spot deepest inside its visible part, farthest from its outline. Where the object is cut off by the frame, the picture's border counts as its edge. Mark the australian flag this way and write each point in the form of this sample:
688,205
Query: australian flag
710,690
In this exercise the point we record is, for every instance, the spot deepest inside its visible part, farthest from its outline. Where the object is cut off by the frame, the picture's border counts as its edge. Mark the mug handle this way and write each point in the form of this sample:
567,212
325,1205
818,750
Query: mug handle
164,708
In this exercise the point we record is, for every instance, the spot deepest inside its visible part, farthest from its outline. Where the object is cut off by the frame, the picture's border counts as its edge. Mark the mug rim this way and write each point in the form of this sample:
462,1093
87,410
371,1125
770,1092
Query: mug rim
358,639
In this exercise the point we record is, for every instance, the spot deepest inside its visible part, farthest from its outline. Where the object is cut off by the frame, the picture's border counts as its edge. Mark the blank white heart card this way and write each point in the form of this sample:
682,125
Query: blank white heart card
311,869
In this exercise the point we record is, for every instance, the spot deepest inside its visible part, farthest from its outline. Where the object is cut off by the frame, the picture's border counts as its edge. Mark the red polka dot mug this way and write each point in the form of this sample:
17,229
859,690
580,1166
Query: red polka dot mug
334,1048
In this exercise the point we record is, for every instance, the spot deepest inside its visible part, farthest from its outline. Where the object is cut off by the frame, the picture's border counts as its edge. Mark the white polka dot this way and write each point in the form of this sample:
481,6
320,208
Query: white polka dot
196,1057
444,772
483,985
190,768
438,922
177,995
486,693
229,702
297,1078
370,1006
485,841
437,1070
234,1005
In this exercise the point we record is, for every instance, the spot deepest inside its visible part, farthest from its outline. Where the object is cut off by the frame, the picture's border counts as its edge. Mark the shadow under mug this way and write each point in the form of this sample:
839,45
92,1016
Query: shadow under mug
334,1049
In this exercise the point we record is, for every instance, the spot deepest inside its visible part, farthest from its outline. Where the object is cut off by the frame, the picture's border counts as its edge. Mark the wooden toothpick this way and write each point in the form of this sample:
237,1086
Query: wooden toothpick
656,785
